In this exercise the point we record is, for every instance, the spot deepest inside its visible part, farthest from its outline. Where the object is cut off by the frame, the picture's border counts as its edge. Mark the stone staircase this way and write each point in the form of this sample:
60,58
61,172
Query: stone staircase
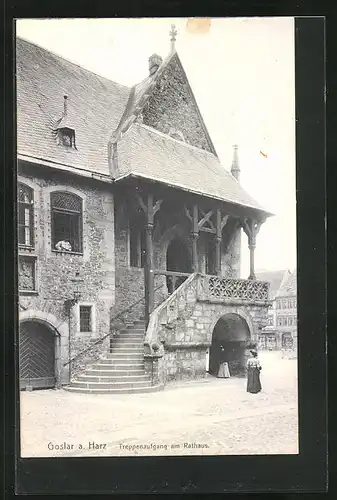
120,371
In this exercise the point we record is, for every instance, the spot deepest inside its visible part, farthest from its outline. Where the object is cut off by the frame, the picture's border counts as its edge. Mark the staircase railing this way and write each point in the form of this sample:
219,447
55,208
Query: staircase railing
100,339
152,345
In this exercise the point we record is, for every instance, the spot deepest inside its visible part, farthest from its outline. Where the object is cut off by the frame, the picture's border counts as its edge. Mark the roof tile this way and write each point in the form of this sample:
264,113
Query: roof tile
144,152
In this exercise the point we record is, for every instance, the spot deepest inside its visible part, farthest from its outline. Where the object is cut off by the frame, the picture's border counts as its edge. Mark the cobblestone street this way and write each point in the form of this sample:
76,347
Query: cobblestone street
208,417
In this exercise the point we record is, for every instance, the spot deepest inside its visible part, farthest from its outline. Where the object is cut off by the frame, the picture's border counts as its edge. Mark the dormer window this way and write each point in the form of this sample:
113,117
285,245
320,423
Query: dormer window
67,137
65,130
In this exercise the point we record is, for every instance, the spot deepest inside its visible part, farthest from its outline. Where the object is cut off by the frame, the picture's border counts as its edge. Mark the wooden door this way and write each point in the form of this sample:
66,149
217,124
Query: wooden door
37,356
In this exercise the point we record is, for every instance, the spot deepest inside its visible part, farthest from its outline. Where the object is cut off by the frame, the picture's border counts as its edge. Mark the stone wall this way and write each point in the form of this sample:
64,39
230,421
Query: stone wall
182,364
171,108
187,325
130,280
55,270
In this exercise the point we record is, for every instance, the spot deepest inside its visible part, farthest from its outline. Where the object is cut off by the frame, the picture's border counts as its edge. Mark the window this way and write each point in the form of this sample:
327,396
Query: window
66,137
66,222
25,215
85,319
270,321
137,246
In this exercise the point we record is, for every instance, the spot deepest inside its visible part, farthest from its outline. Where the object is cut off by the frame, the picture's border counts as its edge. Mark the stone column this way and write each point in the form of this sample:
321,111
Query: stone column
251,247
251,228
148,270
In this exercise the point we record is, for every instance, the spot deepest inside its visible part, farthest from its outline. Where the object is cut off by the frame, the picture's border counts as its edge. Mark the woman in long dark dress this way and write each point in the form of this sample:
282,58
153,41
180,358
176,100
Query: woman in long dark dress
254,367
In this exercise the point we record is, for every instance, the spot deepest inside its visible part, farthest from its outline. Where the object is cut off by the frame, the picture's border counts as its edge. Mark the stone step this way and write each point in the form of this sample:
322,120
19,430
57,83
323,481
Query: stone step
110,385
131,348
112,378
134,390
122,361
133,329
127,341
115,372
130,331
120,356
128,338
120,365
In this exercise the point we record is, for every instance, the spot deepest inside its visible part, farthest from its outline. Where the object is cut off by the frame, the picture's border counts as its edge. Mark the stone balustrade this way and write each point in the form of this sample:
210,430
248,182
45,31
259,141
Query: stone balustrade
217,288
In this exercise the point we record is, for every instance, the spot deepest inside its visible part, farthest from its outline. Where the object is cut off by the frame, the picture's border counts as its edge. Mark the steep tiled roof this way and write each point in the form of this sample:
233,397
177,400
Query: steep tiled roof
95,106
138,95
289,287
144,152
275,279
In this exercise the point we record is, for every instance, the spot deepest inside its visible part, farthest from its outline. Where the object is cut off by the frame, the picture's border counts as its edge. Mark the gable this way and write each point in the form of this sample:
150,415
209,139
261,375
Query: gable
171,108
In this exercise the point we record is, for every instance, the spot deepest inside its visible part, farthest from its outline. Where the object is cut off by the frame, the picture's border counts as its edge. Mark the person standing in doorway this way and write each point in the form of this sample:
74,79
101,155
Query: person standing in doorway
254,368
223,368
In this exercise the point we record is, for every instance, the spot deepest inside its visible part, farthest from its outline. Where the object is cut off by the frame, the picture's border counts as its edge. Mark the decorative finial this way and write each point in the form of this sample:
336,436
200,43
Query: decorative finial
173,34
65,104
235,170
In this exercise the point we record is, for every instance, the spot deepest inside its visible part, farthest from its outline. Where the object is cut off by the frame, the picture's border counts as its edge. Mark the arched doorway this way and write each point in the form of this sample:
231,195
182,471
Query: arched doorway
178,259
232,332
37,355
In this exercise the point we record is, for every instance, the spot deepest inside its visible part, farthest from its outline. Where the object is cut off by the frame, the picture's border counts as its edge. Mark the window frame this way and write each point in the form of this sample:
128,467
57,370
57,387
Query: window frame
82,319
67,212
30,206
92,332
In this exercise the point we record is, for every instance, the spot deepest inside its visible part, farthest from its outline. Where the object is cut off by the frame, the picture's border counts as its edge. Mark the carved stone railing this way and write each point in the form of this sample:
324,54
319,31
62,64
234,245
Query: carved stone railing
224,289
166,313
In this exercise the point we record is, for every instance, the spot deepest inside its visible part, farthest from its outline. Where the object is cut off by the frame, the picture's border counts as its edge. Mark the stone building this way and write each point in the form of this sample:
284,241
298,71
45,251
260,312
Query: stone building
281,329
129,232
286,312
269,337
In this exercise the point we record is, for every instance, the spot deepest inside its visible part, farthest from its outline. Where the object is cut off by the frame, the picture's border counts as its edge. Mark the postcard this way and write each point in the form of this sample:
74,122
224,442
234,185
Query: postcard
156,210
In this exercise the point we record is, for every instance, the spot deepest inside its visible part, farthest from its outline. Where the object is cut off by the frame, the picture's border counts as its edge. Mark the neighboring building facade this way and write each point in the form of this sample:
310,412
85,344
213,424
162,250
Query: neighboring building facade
286,312
129,232
281,331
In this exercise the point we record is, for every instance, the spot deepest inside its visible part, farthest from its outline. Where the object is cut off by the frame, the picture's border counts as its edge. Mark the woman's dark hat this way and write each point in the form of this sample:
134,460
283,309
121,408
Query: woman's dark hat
254,352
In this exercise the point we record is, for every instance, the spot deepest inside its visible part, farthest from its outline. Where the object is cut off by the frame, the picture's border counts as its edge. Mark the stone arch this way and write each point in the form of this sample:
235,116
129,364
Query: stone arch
230,336
240,311
61,332
31,183
174,232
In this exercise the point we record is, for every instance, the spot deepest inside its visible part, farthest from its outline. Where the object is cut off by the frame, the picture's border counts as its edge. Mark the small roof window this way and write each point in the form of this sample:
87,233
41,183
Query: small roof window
65,130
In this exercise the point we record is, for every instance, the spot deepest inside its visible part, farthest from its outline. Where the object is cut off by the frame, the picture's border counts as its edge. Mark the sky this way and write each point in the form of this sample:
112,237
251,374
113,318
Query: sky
242,73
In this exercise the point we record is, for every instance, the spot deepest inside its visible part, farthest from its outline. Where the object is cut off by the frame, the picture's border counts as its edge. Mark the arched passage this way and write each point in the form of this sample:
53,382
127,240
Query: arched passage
38,354
178,259
232,333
